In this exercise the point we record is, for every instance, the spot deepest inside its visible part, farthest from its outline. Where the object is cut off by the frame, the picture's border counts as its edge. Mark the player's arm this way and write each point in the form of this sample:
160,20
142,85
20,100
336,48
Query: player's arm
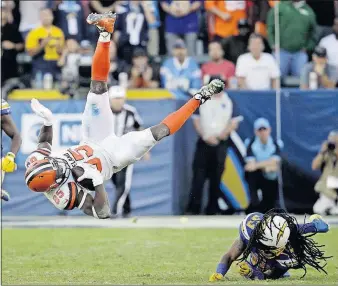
8,126
98,206
227,259
46,132
316,224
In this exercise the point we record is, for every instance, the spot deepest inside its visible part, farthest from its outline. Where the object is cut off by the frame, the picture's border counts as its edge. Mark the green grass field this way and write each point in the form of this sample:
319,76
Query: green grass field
131,256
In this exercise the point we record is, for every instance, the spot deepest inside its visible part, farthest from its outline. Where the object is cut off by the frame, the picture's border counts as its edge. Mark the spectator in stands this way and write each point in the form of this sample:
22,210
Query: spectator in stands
70,62
45,44
297,35
69,17
141,73
262,166
11,45
326,75
218,66
180,72
131,29
152,13
30,16
181,20
257,70
325,12
237,45
225,16
330,43
214,124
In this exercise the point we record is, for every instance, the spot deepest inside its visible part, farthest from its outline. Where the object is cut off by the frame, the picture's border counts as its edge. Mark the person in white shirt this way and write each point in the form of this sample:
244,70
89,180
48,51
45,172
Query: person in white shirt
257,70
330,43
30,16
213,124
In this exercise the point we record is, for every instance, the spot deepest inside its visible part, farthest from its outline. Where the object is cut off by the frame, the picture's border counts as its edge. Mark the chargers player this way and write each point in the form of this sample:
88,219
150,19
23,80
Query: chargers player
8,126
272,244
100,152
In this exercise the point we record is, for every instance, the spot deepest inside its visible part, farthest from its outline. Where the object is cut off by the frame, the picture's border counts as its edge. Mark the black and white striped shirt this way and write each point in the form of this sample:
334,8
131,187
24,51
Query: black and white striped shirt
126,120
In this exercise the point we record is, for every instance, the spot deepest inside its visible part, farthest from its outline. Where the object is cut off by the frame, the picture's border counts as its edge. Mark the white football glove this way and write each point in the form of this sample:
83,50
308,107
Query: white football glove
90,172
42,111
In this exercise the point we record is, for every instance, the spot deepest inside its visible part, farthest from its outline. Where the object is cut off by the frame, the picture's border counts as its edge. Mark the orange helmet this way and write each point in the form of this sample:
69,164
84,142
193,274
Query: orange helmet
44,175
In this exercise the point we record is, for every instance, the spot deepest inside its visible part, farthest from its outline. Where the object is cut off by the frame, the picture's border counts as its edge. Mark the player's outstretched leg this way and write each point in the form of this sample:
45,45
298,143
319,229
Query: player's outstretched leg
174,121
101,59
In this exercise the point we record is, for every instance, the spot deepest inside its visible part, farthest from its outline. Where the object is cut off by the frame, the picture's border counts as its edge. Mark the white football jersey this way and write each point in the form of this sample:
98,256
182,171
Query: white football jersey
64,197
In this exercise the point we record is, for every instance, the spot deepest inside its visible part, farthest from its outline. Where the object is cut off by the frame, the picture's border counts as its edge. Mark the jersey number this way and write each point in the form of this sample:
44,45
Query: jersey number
88,151
59,195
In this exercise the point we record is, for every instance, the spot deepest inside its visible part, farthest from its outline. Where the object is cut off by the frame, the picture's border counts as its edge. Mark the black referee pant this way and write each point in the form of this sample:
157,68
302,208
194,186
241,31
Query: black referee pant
122,181
208,164
269,188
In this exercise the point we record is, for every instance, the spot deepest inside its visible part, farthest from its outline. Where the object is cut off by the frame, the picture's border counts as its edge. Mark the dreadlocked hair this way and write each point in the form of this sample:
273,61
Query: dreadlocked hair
301,248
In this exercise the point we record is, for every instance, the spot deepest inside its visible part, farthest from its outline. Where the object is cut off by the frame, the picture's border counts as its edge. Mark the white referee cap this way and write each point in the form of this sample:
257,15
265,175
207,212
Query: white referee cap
117,91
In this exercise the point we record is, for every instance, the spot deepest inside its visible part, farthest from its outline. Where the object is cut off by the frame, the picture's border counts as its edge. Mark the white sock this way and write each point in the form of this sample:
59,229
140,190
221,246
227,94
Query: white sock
104,37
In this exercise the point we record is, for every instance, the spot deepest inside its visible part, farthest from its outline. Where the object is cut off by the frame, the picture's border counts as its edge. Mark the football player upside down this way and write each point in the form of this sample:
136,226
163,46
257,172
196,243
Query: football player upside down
60,175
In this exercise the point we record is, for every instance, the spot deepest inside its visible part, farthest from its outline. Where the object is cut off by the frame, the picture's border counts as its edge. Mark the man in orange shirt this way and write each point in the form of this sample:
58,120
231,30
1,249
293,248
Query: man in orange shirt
224,17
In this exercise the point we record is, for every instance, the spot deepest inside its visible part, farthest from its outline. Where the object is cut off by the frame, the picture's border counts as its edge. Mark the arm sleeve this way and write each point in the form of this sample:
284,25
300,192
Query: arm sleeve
31,41
165,73
249,154
274,69
277,153
312,33
240,67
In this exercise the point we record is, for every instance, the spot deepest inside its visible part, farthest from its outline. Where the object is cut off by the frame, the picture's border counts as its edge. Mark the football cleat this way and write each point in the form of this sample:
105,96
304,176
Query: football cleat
214,87
104,22
320,224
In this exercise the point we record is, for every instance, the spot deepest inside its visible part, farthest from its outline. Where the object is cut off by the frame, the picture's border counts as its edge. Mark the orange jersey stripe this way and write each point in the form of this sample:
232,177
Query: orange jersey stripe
73,195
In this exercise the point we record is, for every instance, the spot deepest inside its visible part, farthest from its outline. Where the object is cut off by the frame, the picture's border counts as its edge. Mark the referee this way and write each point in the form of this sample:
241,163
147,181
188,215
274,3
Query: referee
214,124
125,119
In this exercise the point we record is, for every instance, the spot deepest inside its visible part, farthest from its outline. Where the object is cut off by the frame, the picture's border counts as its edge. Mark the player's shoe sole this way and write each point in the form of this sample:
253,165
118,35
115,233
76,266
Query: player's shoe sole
214,87
104,22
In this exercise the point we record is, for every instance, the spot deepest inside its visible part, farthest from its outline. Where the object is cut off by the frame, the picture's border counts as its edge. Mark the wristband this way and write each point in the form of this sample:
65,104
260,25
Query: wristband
308,228
222,268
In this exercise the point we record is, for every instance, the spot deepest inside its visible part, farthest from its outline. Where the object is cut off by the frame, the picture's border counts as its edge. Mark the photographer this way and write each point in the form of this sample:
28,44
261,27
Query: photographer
327,161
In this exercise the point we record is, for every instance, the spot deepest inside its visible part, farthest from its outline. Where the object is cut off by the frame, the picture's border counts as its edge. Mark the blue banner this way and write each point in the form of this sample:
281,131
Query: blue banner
162,185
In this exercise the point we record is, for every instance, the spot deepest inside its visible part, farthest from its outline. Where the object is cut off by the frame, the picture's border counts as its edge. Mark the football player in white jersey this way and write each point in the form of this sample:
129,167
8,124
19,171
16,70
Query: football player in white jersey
100,152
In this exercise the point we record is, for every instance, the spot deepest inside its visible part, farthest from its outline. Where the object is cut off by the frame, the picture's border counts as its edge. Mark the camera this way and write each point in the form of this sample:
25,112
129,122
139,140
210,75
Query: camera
331,146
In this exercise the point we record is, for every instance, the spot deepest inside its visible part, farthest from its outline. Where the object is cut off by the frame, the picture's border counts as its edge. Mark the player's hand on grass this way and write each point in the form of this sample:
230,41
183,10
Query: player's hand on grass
91,173
245,269
216,277
7,163
42,111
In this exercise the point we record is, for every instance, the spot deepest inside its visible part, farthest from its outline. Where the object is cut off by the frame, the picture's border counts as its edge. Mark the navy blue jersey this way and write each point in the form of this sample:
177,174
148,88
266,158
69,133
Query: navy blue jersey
283,262
132,25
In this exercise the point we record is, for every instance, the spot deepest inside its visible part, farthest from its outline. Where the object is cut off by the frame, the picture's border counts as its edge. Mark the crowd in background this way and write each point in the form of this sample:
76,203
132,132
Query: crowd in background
171,44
